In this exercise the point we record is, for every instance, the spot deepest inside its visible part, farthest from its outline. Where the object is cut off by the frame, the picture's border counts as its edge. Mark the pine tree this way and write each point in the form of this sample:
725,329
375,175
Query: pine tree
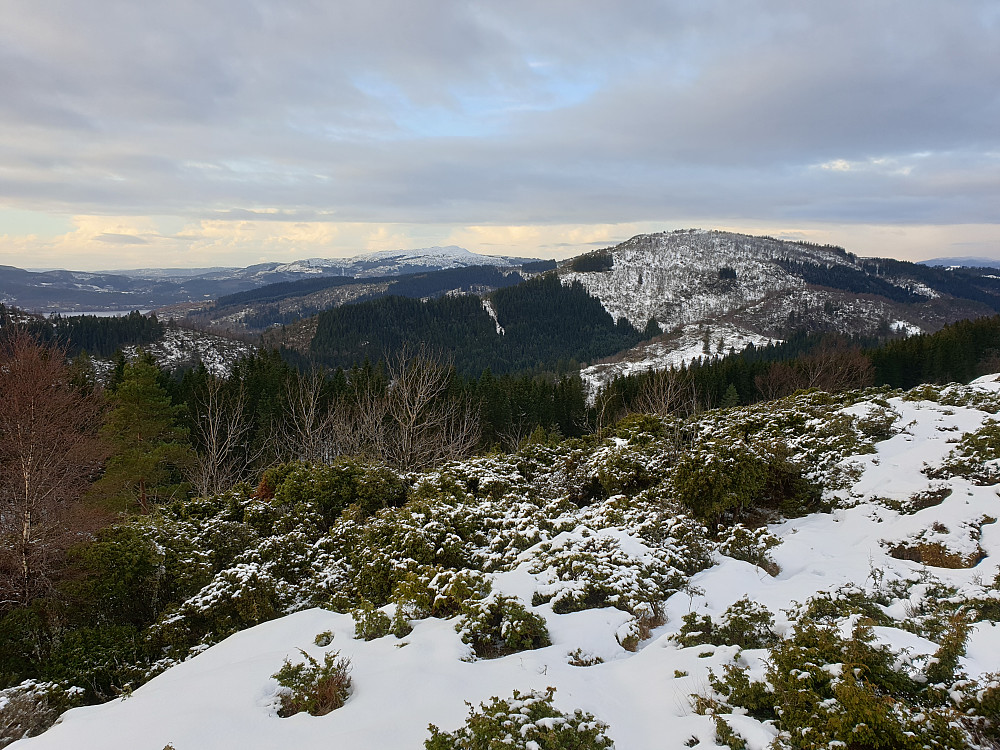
150,448
730,398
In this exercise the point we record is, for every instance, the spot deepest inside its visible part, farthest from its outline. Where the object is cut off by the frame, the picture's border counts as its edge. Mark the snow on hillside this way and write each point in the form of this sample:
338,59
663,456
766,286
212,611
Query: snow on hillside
182,347
691,343
691,276
900,492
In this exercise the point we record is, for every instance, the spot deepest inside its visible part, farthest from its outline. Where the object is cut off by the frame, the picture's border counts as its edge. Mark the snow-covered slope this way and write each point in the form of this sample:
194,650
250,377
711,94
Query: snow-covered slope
697,276
182,348
682,347
901,488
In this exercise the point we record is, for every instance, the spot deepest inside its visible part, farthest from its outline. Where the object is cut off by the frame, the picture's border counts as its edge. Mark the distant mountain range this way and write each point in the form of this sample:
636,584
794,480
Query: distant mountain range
965,261
673,297
654,300
151,288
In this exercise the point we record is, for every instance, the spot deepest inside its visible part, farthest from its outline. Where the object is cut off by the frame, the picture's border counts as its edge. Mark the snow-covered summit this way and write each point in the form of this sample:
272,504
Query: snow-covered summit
698,276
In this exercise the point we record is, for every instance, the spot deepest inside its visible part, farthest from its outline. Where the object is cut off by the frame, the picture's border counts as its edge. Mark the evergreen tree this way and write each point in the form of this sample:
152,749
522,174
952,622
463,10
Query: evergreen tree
730,398
150,448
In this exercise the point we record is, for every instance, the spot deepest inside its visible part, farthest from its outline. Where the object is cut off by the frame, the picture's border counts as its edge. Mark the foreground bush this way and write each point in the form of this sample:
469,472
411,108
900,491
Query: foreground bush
28,709
525,722
312,687
825,690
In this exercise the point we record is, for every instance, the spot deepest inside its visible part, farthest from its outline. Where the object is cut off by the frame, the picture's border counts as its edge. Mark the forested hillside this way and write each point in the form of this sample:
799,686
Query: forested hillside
98,336
538,325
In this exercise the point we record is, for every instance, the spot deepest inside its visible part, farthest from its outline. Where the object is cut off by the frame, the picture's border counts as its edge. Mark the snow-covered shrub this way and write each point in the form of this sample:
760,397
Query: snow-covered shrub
312,687
499,625
844,601
528,721
334,487
639,627
370,623
580,658
822,689
941,547
750,545
436,592
238,598
976,457
398,541
745,624
28,709
715,481
957,394
586,572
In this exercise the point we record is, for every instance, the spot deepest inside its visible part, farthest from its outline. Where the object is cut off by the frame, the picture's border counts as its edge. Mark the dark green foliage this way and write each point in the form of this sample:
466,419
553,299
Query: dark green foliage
727,273
524,722
370,623
500,625
118,577
98,336
283,290
601,260
312,687
745,624
538,266
547,327
332,488
150,447
956,353
727,481
849,279
823,688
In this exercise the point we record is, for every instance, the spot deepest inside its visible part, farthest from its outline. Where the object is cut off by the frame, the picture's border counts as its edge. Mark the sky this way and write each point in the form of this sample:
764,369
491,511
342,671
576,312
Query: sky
198,133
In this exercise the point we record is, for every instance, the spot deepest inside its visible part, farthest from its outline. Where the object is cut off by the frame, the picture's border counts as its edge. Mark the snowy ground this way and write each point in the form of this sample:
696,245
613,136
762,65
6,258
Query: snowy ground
181,347
225,697
693,342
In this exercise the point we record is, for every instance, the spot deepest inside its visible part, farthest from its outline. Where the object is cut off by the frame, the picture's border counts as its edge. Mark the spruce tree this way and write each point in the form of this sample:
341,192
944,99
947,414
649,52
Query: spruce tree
150,448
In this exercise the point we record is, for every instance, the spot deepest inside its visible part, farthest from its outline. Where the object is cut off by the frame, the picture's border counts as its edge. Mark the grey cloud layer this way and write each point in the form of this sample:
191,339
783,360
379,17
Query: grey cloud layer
513,112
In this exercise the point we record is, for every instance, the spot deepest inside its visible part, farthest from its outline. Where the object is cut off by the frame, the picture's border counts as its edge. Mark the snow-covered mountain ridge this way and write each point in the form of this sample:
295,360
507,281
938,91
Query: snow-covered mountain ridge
730,289
623,577
697,276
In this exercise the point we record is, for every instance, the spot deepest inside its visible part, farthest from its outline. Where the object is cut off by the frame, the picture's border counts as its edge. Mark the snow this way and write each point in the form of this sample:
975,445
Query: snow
682,348
901,326
224,698
182,347
676,279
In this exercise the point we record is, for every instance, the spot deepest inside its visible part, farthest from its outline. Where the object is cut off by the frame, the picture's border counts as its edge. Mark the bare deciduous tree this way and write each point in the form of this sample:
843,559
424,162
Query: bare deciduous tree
223,431
415,424
832,368
669,392
49,451
309,432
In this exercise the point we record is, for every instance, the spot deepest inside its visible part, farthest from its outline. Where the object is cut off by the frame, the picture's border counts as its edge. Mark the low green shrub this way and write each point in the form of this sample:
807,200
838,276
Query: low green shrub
745,624
501,625
750,545
312,687
334,487
370,623
437,592
723,482
528,721
823,689
28,709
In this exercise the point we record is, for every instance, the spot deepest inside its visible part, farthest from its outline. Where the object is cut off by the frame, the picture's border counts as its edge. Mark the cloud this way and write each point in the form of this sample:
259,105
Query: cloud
114,238
454,115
